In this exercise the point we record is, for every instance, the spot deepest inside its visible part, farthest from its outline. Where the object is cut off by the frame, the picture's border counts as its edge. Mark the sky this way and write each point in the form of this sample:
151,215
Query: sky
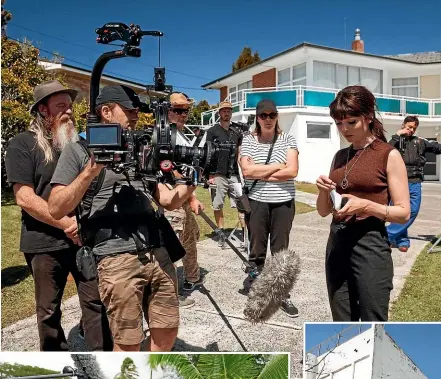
203,38
420,342
110,363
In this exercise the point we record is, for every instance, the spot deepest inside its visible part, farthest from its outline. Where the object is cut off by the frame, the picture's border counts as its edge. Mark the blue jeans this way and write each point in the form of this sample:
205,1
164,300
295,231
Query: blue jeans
398,232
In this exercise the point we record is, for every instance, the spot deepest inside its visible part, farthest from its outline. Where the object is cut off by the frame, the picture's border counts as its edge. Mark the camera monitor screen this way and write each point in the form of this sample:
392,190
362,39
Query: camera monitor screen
109,135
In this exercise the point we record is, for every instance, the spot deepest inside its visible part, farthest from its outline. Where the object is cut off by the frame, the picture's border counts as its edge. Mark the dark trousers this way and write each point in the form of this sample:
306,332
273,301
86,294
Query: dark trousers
50,272
359,271
266,220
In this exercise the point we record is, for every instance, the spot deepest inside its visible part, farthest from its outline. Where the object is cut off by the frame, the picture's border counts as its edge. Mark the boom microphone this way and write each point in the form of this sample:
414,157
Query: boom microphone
87,365
272,286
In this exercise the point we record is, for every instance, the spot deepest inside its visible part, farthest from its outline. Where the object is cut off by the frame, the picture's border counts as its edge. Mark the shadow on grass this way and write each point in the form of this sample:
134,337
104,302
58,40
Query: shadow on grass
8,197
14,275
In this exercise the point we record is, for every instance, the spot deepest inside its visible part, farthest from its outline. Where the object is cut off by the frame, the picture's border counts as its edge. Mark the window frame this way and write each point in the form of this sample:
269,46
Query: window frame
292,82
321,123
417,86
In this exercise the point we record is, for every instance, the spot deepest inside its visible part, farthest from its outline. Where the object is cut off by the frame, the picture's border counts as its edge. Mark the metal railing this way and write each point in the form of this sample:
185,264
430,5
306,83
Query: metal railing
319,98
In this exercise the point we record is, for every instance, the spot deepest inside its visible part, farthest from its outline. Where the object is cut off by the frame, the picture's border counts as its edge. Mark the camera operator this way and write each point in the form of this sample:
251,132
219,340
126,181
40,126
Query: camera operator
182,220
223,132
413,150
135,271
49,245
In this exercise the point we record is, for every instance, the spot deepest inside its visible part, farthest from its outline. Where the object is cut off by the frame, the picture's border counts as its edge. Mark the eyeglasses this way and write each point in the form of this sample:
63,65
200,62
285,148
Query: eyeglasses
179,111
264,116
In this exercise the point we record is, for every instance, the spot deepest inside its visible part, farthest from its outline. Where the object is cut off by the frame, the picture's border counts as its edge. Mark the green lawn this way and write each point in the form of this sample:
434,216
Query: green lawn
307,187
17,284
420,299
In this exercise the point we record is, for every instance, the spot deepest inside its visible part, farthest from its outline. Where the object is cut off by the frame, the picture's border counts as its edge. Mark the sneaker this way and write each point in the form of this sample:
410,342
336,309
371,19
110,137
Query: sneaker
289,308
190,286
403,249
221,238
185,302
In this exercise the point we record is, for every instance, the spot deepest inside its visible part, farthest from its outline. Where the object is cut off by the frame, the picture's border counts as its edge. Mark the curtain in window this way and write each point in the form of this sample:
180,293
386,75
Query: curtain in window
371,79
324,75
342,76
283,76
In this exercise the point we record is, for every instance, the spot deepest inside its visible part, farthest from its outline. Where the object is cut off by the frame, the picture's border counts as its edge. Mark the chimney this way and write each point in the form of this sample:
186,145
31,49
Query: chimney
357,43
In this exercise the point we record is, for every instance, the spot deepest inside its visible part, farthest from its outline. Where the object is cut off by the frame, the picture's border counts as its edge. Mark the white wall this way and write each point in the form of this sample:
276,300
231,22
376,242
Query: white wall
352,359
390,361
315,155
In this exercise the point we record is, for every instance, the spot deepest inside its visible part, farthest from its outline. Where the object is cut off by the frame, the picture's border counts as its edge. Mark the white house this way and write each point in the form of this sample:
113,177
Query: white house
304,80
372,354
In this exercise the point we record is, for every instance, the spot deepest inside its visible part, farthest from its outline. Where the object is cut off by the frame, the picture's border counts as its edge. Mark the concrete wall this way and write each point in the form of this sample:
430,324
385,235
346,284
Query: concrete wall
352,359
390,361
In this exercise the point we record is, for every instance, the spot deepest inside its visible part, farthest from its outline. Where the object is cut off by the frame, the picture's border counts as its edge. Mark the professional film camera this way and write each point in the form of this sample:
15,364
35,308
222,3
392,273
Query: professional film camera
150,154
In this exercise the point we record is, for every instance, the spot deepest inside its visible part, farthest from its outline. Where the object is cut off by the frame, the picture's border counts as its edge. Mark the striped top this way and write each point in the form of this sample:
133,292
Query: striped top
269,192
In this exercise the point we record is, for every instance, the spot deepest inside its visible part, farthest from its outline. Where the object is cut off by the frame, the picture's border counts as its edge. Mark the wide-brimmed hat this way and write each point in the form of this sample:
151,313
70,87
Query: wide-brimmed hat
225,104
180,100
46,89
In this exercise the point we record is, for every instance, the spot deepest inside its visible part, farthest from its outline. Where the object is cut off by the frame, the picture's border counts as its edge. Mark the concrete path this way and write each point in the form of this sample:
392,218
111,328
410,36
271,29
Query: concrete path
216,322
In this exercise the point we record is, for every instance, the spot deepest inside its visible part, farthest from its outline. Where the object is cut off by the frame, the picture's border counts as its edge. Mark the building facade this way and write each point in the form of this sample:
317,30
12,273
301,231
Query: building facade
304,80
372,354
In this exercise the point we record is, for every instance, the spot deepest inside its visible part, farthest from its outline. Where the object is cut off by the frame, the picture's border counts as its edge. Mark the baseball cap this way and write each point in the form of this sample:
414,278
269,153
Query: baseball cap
225,104
266,105
120,94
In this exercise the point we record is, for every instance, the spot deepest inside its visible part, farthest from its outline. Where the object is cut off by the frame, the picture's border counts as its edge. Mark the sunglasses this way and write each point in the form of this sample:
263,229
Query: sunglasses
264,116
180,111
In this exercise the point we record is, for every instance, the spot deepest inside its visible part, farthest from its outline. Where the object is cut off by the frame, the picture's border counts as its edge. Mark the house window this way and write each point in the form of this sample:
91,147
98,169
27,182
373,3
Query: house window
292,76
405,87
331,75
241,87
318,130
237,96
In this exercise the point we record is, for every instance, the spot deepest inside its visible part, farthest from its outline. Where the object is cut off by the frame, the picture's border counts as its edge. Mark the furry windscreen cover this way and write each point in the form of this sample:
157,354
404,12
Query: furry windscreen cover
87,366
272,286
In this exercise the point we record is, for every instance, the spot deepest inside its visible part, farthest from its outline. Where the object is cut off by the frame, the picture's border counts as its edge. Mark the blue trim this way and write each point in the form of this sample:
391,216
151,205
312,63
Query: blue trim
417,107
388,105
281,98
318,98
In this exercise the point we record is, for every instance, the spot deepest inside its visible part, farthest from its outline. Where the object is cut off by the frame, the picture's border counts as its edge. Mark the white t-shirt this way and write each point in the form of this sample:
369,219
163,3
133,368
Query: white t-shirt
269,192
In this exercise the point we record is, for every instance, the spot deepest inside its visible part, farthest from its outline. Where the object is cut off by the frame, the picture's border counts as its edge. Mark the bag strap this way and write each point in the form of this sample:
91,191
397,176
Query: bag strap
267,159
91,192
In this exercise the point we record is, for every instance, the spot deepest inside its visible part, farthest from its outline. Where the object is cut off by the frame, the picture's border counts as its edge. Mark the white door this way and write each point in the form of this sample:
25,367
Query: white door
431,169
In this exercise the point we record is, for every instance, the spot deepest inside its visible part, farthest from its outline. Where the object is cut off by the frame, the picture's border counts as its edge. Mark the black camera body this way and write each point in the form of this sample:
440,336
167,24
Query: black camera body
154,152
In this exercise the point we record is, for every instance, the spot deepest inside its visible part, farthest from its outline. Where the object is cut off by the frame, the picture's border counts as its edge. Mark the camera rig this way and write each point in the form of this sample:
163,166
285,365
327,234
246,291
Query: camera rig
150,154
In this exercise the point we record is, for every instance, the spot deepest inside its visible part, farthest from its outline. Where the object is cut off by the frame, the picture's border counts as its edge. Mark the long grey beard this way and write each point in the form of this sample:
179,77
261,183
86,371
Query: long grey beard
63,135
87,365
272,286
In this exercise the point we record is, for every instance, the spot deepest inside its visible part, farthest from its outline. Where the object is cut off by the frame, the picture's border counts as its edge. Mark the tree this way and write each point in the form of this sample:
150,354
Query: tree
20,74
245,59
128,370
194,117
8,370
234,366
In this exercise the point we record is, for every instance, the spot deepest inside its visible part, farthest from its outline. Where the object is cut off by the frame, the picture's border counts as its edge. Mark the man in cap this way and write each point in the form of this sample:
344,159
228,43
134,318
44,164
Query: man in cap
49,245
223,132
183,221
120,226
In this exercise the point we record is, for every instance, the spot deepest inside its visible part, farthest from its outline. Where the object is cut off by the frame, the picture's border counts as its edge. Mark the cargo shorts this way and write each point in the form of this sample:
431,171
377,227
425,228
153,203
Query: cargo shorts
224,186
137,285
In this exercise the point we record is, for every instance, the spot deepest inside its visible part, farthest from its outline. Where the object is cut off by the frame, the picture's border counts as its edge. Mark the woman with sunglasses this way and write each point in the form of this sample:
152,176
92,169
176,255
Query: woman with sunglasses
269,163
370,172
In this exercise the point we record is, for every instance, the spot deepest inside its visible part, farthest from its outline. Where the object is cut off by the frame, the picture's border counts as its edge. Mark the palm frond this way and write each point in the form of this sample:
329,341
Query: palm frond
276,368
228,366
181,363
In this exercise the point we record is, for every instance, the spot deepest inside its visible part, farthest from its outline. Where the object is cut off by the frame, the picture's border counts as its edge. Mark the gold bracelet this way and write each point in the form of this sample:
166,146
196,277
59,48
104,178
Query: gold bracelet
387,213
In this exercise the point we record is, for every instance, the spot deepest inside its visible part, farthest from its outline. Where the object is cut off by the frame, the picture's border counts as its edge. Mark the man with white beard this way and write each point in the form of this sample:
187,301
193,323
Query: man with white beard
50,245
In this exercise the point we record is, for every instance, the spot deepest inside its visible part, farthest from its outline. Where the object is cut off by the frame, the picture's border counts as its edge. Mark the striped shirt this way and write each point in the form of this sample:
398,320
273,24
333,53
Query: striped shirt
269,192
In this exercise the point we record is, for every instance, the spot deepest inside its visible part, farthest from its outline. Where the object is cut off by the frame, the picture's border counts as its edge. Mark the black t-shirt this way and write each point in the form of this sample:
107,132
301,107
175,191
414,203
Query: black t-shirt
219,134
24,163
